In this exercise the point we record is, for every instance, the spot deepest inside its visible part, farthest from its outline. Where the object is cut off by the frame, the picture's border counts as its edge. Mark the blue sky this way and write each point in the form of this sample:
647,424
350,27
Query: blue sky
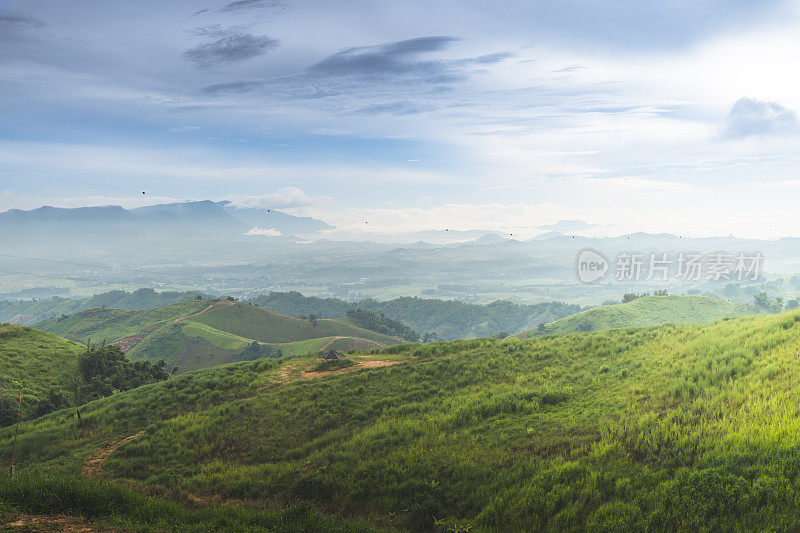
629,116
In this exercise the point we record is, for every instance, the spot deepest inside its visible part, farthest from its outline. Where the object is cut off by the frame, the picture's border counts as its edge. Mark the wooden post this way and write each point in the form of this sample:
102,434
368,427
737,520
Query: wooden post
16,432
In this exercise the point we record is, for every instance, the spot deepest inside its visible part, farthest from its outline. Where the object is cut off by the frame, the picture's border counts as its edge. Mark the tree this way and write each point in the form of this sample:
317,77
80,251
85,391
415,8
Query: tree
55,399
377,321
256,350
105,369
431,336
761,301
313,320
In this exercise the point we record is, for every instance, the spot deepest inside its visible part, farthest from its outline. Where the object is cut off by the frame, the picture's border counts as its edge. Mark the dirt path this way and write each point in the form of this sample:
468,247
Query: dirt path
224,303
361,364
93,467
220,332
352,338
42,523
378,364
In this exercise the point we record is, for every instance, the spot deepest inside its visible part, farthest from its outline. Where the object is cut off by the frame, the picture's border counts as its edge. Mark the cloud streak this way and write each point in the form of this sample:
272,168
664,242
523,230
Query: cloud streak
243,5
12,18
234,46
397,67
401,57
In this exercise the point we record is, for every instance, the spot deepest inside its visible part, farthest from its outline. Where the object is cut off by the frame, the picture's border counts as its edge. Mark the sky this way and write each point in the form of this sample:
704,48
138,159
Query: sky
599,118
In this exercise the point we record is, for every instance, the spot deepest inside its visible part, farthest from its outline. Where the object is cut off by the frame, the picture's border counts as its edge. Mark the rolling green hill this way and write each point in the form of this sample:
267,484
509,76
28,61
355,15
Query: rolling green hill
110,324
197,334
35,361
644,312
266,326
448,319
30,311
681,427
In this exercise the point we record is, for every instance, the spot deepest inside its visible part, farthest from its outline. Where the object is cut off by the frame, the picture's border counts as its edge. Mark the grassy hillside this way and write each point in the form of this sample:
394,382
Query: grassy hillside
196,334
265,326
35,362
681,427
101,323
643,312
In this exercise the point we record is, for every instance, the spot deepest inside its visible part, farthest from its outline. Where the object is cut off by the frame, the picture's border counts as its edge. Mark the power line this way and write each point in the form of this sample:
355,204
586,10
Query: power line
90,265
68,180
28,274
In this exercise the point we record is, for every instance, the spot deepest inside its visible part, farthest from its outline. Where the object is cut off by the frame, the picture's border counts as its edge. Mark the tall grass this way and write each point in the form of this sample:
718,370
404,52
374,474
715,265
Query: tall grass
115,505
681,427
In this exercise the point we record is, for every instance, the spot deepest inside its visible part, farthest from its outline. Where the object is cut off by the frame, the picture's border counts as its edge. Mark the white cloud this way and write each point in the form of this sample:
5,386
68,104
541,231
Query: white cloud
568,225
262,232
754,117
12,200
285,198
332,131
184,129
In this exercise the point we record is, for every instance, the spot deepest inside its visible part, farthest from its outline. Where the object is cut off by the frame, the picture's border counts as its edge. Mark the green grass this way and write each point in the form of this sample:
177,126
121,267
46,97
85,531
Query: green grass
99,324
644,312
114,506
218,338
201,354
35,362
265,326
680,427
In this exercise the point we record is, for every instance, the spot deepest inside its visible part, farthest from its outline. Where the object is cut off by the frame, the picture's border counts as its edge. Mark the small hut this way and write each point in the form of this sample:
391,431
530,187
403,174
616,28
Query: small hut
332,355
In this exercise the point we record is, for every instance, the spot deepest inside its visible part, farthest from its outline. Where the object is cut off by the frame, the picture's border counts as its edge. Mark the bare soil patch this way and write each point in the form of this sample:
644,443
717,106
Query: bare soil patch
126,343
48,523
378,364
362,364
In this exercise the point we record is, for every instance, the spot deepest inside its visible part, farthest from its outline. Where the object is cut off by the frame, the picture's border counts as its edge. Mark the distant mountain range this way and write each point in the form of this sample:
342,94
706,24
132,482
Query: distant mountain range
201,219
216,247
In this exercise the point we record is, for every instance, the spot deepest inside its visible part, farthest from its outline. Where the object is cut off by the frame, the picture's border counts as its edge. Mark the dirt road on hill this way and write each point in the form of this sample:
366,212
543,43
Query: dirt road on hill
351,338
93,467
219,305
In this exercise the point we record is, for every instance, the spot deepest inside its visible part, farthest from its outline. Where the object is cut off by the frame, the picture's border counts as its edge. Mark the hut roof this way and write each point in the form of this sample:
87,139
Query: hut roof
332,355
